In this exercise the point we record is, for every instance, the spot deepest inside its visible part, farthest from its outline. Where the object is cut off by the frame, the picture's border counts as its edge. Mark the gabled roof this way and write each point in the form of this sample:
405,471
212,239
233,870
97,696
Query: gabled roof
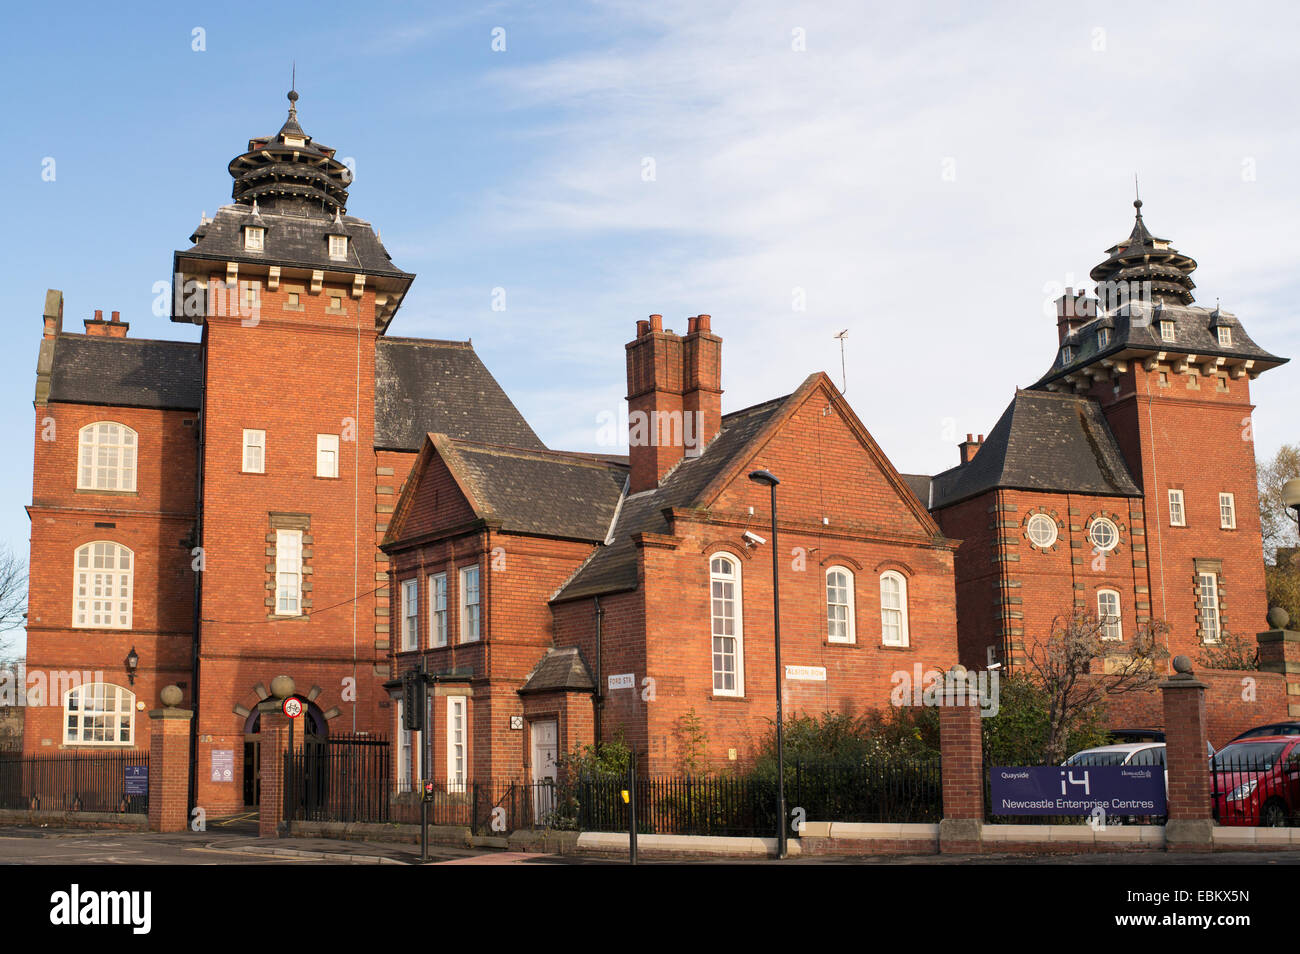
1043,441
537,492
563,669
441,387
696,482
127,372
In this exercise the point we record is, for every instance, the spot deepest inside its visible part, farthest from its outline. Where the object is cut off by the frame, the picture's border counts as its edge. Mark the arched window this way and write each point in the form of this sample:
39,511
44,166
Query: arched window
841,626
893,608
101,590
98,713
107,457
728,646
1108,614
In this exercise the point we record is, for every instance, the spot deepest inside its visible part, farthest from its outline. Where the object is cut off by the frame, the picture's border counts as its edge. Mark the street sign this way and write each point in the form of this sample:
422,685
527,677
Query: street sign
136,780
1078,790
807,673
626,680
292,707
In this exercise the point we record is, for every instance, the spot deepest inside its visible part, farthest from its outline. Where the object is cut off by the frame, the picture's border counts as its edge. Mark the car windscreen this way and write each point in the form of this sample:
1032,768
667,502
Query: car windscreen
1097,758
1248,756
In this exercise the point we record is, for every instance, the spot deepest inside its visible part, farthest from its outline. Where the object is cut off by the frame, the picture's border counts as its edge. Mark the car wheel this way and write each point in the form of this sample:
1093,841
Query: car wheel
1273,815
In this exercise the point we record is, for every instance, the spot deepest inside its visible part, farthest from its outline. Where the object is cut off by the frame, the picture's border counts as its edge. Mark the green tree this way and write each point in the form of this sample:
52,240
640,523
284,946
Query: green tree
1020,731
1282,583
692,743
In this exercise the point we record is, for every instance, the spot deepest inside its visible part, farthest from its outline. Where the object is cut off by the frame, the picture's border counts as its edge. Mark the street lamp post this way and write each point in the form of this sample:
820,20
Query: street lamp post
766,477
1291,497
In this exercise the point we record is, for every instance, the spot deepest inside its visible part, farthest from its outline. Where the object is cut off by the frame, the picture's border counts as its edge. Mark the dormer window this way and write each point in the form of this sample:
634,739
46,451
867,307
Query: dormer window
338,247
1225,336
1103,337
253,238
1067,355
1167,331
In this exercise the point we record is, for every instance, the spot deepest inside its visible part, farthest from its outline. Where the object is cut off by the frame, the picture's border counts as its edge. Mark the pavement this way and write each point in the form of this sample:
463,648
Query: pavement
233,844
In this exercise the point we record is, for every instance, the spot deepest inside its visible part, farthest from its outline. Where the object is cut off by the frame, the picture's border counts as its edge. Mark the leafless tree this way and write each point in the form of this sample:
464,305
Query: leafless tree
1079,668
13,593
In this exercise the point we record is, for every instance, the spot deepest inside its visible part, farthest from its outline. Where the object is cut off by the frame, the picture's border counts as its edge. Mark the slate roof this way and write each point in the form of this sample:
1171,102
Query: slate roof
545,493
294,236
441,387
559,669
127,372
613,568
1136,326
1043,441
919,485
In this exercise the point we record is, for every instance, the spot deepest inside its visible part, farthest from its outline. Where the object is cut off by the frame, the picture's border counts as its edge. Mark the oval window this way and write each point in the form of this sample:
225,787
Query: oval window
1103,534
1041,530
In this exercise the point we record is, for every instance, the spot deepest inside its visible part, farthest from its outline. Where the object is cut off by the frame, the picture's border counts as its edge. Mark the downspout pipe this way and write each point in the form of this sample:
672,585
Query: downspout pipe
599,697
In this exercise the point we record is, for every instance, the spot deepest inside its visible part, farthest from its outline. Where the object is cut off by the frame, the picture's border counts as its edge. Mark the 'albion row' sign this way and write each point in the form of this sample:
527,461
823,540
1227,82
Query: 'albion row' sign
1078,790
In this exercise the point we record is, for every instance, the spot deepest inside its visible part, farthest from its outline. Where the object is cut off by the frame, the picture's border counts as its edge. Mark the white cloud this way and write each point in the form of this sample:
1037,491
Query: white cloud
823,170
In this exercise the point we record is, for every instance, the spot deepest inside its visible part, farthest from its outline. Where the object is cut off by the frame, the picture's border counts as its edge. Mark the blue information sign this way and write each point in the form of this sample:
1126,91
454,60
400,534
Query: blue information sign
137,780
1078,790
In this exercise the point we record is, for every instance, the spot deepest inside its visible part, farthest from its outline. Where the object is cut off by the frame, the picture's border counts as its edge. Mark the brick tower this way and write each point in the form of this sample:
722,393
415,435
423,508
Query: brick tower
293,294
1173,381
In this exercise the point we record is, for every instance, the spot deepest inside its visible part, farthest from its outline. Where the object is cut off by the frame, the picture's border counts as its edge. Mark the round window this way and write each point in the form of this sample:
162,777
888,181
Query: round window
1041,530
1103,534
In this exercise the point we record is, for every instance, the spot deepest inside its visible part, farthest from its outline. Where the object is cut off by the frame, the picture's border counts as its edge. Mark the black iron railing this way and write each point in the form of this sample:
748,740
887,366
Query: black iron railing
338,784
73,781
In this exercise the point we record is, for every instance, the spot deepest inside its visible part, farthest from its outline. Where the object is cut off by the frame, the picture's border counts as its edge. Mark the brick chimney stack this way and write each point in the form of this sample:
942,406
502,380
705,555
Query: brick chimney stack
674,396
53,316
1074,309
116,328
969,448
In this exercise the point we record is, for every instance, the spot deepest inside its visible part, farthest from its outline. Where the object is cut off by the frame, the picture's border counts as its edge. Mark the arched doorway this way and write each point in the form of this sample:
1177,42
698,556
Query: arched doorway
317,731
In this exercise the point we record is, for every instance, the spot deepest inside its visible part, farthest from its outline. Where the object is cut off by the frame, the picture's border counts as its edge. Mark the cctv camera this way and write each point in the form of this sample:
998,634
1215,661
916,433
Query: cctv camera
753,539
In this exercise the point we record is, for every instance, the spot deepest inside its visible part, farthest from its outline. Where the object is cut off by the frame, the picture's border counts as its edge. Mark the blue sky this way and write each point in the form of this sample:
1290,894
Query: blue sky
927,178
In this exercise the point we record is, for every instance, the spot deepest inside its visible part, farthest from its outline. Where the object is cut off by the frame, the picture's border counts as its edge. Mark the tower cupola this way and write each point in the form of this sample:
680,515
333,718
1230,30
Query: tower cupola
1140,259
290,171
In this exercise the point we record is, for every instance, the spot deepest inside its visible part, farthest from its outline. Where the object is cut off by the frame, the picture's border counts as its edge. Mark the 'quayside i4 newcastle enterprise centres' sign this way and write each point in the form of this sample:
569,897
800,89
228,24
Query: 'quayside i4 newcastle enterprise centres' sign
1078,790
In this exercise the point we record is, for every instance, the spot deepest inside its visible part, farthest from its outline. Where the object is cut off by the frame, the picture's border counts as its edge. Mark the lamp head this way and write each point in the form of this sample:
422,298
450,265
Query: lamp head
768,478
1291,493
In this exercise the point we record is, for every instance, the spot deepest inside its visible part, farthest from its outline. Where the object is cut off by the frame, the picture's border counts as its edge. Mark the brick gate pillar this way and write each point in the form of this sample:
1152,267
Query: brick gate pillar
1191,819
962,767
169,764
273,736
1279,651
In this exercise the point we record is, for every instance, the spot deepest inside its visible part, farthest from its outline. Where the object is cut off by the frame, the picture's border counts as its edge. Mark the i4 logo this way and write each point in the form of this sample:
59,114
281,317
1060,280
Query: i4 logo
1067,778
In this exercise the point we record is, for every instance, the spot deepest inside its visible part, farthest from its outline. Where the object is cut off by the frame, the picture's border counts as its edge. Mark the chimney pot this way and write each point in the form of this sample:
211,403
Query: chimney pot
642,328
969,438
690,326
117,316
656,322
702,323
99,314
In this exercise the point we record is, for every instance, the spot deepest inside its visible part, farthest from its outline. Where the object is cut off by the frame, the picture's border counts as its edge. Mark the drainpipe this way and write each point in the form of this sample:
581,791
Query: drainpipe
599,698
201,427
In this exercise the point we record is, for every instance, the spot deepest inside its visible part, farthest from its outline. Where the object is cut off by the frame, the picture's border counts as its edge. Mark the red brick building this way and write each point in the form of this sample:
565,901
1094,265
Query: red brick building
557,597
215,506
1123,481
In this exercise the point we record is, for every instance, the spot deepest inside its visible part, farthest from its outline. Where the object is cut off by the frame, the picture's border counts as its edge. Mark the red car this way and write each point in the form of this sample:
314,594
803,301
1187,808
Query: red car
1257,781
